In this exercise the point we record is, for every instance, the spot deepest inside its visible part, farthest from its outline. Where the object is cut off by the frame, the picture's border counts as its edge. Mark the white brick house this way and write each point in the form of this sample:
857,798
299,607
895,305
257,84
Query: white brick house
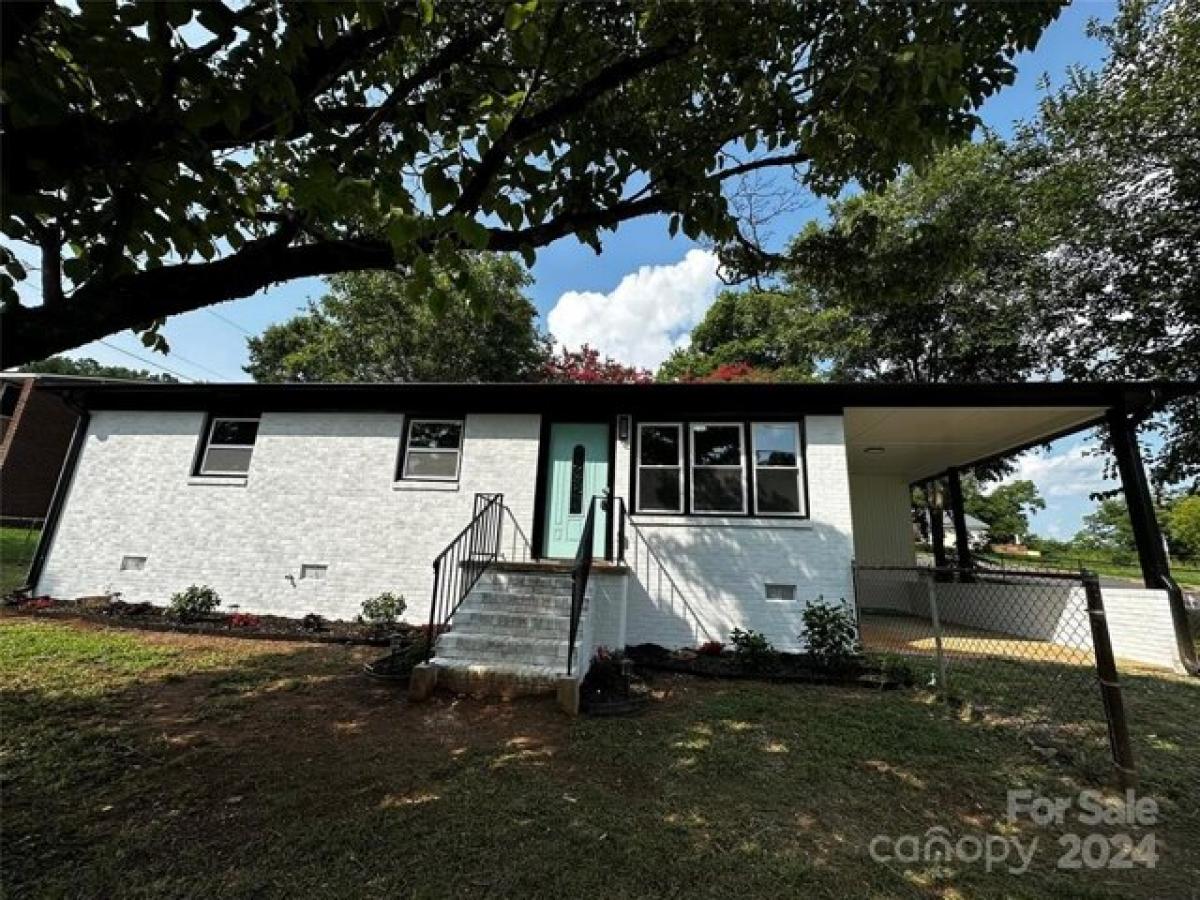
738,504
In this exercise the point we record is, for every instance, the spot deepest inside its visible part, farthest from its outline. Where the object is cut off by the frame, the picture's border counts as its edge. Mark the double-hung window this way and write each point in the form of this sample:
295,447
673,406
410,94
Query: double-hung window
718,468
778,480
660,468
433,451
228,446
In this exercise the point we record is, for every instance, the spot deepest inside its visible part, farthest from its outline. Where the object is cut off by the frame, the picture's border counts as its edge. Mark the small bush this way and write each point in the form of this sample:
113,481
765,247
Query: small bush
898,670
606,675
408,658
194,603
831,633
312,622
243,620
710,648
382,611
752,650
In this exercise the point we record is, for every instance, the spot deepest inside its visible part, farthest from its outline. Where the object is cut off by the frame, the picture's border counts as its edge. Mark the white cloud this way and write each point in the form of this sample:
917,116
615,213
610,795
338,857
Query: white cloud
1075,472
649,314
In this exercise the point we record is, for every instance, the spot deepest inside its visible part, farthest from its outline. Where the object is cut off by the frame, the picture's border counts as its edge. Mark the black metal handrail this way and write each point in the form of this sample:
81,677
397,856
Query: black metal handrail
458,567
580,572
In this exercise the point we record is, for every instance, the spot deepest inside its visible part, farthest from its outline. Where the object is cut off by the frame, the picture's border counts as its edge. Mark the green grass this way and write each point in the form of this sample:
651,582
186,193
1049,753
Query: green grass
16,552
161,765
1186,573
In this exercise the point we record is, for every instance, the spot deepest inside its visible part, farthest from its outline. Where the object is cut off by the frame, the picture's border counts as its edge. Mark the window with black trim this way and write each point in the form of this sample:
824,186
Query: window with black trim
433,450
778,480
732,468
660,467
718,468
228,445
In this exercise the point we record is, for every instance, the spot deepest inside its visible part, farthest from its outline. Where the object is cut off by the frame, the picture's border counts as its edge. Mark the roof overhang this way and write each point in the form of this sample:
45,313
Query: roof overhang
606,399
913,431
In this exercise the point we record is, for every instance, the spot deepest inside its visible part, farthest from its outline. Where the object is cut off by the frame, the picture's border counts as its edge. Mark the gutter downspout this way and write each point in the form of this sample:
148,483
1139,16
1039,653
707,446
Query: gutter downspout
61,488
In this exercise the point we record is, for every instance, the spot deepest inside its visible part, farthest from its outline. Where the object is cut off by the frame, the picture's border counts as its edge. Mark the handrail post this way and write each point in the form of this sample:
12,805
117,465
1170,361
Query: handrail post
433,603
621,529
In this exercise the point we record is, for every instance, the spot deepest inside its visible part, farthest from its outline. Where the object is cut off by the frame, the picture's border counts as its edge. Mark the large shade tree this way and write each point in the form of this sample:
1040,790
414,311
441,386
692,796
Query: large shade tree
377,326
1112,165
160,157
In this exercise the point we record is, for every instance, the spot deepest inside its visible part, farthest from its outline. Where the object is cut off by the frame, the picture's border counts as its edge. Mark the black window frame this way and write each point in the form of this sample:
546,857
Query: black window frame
205,442
742,466
749,483
636,455
406,436
801,471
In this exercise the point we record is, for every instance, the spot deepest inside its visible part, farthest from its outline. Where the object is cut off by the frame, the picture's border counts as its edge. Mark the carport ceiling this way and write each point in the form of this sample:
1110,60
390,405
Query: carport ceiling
919,442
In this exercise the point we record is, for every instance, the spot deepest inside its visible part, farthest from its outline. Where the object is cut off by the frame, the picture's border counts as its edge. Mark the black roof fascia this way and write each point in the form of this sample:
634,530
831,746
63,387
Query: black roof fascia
639,399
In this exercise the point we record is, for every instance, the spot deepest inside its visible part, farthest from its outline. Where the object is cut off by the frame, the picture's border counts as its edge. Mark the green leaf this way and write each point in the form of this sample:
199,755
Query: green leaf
442,191
425,7
473,233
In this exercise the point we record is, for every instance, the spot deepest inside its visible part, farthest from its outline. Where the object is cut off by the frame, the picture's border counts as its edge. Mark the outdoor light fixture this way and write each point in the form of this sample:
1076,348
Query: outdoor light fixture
623,428
873,450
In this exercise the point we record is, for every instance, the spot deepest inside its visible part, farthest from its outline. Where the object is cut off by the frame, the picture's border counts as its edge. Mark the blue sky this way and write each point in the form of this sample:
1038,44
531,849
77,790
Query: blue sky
643,293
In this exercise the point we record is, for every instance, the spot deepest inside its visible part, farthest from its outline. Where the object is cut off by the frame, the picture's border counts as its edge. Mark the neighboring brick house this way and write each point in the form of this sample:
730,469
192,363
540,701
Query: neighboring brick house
36,424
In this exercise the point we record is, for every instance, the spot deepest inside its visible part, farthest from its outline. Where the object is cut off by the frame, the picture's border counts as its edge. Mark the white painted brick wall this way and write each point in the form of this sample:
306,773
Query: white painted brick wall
1141,627
320,490
719,567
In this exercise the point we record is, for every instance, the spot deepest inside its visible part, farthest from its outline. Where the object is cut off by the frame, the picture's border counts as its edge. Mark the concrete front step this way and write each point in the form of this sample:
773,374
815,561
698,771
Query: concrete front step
546,584
499,648
490,598
505,680
508,621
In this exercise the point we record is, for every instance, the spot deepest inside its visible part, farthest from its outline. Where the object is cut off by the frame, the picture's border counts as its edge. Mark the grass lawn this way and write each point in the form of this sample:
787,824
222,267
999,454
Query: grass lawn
140,765
16,552
1186,573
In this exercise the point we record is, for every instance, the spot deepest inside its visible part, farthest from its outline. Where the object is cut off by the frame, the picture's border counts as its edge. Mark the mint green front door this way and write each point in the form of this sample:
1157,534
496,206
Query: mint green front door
577,472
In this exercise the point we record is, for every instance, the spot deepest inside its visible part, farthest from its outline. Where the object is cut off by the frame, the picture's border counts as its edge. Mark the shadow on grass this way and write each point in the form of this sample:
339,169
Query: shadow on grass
146,767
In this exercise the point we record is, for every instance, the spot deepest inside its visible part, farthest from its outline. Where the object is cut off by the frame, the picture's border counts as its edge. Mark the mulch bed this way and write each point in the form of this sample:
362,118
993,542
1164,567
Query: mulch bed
146,617
786,668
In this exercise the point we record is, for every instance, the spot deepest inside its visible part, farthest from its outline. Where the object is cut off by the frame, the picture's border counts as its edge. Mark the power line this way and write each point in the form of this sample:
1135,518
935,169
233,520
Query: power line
144,361
192,362
229,322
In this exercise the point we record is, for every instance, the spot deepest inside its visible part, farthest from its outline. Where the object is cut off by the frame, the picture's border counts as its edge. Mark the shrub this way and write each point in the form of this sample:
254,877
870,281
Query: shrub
408,658
194,603
898,670
752,650
710,648
383,610
312,622
831,633
606,675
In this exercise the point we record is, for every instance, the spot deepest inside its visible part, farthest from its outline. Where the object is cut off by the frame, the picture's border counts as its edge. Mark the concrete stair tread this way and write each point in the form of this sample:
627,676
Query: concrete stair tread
514,670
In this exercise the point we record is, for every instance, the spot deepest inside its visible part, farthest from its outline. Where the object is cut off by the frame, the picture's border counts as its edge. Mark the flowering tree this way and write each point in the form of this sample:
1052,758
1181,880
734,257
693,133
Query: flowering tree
584,366
736,371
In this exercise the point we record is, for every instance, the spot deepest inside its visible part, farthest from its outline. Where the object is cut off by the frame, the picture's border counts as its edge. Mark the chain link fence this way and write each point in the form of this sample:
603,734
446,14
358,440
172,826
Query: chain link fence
1024,647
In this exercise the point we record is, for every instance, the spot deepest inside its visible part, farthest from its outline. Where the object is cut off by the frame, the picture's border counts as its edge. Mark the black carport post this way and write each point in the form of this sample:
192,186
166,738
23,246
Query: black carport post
1152,555
937,531
962,537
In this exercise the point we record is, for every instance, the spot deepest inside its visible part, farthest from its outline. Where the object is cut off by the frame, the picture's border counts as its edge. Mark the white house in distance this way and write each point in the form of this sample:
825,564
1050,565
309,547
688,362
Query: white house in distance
729,505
